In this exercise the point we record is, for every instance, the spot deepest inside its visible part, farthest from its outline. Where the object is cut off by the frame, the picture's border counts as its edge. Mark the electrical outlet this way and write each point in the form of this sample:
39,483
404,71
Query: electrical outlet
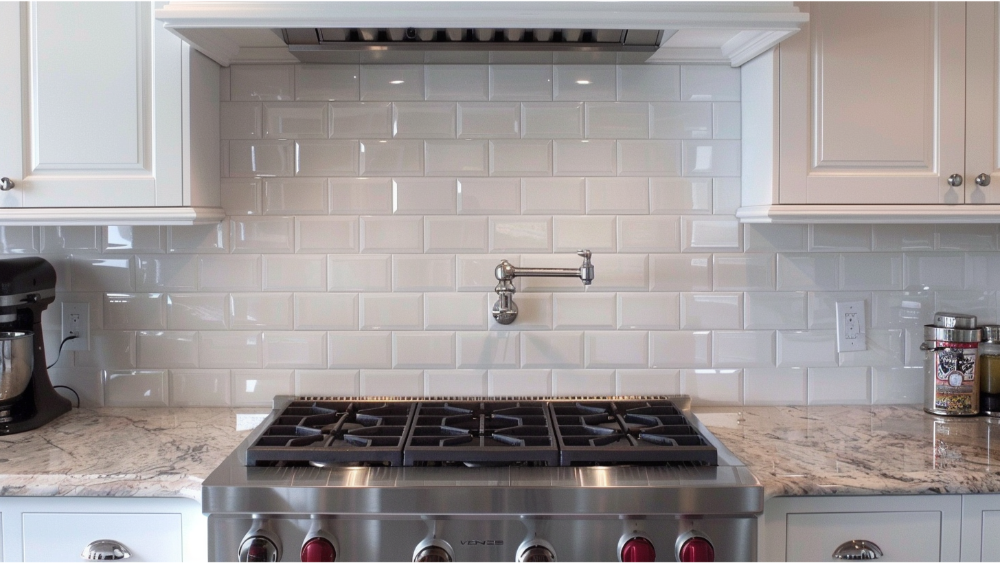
851,330
76,322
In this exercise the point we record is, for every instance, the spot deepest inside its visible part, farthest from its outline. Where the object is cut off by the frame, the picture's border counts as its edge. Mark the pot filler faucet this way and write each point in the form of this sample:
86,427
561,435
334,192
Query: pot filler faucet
505,310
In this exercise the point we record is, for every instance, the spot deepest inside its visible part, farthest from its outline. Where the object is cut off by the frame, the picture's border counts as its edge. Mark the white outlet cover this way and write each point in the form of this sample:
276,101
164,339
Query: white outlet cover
82,310
851,329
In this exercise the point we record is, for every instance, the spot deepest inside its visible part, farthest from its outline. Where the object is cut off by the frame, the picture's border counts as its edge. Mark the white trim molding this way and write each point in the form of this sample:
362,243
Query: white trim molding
105,216
815,214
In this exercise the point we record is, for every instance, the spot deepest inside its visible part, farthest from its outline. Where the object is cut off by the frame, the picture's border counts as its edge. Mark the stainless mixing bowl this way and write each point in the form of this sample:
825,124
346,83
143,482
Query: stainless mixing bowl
17,360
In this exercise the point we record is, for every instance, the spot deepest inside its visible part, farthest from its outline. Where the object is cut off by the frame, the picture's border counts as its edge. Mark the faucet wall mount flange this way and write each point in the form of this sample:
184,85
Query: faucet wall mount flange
505,310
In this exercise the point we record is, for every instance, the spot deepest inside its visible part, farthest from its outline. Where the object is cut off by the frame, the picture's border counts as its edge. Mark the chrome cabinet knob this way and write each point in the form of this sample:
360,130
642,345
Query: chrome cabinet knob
6,184
856,550
955,180
983,180
105,550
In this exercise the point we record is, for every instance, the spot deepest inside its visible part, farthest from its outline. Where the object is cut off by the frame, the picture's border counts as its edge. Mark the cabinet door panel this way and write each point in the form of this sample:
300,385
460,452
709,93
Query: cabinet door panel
902,536
62,537
982,147
991,536
872,104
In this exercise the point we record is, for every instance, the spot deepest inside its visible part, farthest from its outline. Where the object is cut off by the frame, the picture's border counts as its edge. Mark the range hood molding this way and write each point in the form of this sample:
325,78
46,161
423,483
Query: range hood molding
730,32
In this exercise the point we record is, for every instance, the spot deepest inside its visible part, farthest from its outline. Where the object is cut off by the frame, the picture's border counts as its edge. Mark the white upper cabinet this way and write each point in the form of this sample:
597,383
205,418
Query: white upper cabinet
107,118
875,112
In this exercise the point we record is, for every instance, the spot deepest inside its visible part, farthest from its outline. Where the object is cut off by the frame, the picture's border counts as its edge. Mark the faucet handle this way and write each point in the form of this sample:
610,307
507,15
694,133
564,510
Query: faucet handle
584,253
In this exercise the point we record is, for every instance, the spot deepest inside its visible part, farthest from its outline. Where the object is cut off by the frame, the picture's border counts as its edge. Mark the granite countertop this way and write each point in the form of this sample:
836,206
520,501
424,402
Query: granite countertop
120,452
860,450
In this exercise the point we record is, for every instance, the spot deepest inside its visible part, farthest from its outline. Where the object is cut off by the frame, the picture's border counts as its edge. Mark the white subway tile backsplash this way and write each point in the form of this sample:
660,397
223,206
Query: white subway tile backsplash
360,349
517,158
966,237
327,82
726,120
353,196
520,234
489,195
392,311
198,238
520,82
715,83
552,120
713,387
326,158
840,386
620,272
775,386
254,83
782,310
199,387
263,234
583,158
616,349
680,272
583,382
455,311
584,83
392,158
108,349
726,195
475,272
903,237
671,196
466,157
570,234
261,310
326,311
519,383
648,234
704,234
361,120
640,83
166,348
61,239
543,349
229,273
902,309
295,196
885,348
197,311
649,158
617,120
423,273
133,311
327,234
234,349
261,158
488,350
19,240
417,120
897,385
135,388
711,310
983,304
681,120
394,383
648,311
467,83
618,196
807,348
648,382
420,196
534,313
392,234
392,82
808,271
871,271
423,350
776,238
711,158
743,272
455,383
584,311
97,274
258,387
294,273
328,382
240,120
846,238
298,120
680,349
162,272
934,270
489,120
544,196
241,196
294,349
456,234
732,349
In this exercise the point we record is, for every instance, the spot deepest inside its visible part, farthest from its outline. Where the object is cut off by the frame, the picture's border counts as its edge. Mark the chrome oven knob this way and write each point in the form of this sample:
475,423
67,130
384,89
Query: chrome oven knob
432,553
259,549
536,553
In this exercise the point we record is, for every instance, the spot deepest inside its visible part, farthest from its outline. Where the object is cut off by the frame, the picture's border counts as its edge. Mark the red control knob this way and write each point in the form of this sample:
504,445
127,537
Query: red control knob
638,549
318,549
696,549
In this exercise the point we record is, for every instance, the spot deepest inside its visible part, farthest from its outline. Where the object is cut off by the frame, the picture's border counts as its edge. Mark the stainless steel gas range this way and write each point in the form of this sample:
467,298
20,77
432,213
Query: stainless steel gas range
509,479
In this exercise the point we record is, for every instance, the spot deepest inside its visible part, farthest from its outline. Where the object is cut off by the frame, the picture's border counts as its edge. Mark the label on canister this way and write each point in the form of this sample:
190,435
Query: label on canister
955,377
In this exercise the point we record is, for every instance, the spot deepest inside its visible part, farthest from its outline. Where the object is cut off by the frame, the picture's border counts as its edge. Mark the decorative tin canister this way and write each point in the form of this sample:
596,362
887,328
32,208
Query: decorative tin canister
950,348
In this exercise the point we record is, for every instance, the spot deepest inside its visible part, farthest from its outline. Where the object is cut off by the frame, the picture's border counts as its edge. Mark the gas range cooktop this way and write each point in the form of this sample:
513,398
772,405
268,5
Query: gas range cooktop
530,432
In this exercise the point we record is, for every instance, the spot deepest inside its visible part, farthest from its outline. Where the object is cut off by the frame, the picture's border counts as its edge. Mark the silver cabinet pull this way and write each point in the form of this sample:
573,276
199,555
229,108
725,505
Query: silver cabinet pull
6,184
983,180
955,180
105,550
857,550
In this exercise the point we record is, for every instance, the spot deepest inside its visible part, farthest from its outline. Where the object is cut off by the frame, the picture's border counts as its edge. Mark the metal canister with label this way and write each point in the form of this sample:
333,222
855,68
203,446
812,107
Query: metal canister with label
950,349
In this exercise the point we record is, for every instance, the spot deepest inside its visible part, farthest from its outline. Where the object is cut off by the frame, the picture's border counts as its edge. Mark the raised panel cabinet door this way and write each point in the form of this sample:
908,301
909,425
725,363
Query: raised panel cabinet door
982,83
902,536
62,537
872,104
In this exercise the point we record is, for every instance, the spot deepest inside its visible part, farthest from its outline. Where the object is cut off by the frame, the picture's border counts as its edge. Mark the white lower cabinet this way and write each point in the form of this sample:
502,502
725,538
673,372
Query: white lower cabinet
981,528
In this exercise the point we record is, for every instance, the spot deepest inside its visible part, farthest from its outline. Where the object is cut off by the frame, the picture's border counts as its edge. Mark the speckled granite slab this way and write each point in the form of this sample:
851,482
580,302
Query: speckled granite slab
860,450
120,452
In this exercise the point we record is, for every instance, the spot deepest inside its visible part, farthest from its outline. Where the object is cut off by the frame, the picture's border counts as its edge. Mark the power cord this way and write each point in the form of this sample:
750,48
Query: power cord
71,391
59,353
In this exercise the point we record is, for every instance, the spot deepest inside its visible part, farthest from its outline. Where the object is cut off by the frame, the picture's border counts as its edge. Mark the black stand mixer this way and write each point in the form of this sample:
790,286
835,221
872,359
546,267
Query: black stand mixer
27,399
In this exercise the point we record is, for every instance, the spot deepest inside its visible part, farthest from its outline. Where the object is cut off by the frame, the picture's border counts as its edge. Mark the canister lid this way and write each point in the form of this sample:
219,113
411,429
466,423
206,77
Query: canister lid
991,333
954,320
937,334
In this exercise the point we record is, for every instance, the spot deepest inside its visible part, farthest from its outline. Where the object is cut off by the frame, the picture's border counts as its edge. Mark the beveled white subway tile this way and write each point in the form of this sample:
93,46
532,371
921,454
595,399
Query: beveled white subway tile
614,349
455,311
295,273
966,237
840,238
711,158
392,82
327,82
584,311
421,196
519,382
583,382
713,387
135,388
823,308
423,350
743,272
392,234
489,196
89,273
618,196
706,234
468,83
133,311
584,83
655,382
620,272
225,80
263,234
392,311
649,158
360,349
648,83
711,310
543,349
197,311
61,239
898,385
552,120
671,196
743,349
780,309
781,386
617,120
648,311
392,158
359,273
710,83
885,348
167,349
680,349
327,382
913,338
229,273
253,83
294,349
903,237
840,386
464,157
726,195
327,234
110,349
871,271
392,383
261,310
419,120
229,349
258,387
934,270
776,238
423,273
326,311
361,120
295,120
679,272
326,158
680,120
534,313
520,82
584,158
19,240
570,234
726,120
807,348
902,309
202,239
982,270
476,272
455,383
545,196
249,159
240,120
982,304
357,196
456,234
489,120
224,158
651,233
517,158
808,271
520,234
295,196
488,349
241,196
199,388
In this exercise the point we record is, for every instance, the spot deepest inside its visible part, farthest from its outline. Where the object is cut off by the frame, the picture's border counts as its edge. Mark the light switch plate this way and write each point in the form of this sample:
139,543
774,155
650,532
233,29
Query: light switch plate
851,326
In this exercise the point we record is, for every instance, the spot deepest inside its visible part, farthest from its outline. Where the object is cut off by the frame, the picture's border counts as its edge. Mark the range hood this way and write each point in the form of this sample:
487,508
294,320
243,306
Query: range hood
484,31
